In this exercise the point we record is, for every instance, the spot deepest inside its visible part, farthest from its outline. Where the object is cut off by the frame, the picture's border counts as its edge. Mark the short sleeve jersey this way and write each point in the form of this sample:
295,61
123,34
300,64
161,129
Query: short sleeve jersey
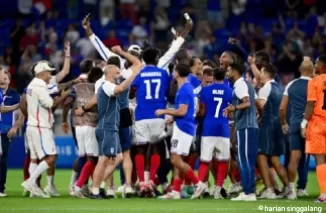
185,95
316,92
216,97
152,86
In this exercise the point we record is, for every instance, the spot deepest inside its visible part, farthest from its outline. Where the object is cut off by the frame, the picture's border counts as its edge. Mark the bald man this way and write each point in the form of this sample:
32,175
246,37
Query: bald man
295,96
107,129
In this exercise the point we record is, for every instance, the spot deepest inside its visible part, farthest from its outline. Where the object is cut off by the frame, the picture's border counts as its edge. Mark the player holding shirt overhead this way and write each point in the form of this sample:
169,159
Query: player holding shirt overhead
183,132
295,97
315,122
215,132
271,141
244,110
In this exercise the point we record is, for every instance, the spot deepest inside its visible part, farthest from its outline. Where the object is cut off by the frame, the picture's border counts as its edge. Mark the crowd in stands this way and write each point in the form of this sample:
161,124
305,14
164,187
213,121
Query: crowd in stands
287,30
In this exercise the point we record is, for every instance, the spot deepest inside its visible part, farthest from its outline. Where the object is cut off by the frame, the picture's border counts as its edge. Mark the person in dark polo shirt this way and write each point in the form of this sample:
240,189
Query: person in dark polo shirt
9,127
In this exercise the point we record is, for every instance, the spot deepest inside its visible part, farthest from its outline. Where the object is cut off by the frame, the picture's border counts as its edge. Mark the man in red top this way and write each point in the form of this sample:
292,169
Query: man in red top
30,38
112,40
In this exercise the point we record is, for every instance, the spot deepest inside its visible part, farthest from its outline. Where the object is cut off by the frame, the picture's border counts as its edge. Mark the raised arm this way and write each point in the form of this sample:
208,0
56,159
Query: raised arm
166,59
135,62
97,43
66,65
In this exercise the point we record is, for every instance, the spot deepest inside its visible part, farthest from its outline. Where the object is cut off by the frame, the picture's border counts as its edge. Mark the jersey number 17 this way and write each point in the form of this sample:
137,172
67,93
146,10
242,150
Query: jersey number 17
149,83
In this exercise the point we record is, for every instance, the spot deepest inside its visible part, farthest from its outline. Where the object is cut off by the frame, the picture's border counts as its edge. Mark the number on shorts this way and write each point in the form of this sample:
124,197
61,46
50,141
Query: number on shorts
148,88
218,106
174,143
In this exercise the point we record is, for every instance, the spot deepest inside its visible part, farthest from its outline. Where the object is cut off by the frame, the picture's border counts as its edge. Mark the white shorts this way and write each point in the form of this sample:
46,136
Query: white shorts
40,142
86,140
169,127
180,141
149,130
219,147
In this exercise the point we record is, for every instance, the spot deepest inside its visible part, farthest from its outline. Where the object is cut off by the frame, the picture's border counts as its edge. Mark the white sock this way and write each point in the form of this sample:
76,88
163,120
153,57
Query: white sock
96,191
292,186
50,180
73,178
42,167
218,189
146,176
31,169
102,185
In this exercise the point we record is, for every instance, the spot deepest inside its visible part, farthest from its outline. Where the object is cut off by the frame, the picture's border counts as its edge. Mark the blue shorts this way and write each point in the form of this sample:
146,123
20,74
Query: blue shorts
125,135
108,142
297,142
271,140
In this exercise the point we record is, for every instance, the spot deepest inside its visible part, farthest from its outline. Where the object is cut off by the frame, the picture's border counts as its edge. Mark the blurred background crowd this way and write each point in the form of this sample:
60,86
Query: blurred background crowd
31,30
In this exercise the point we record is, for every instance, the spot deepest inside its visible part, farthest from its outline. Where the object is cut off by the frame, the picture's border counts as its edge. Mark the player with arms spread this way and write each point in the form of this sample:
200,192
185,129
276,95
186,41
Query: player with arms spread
313,125
183,132
215,132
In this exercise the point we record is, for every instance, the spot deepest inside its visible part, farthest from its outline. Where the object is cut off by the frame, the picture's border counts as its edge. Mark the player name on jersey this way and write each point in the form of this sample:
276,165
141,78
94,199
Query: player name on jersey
151,74
217,92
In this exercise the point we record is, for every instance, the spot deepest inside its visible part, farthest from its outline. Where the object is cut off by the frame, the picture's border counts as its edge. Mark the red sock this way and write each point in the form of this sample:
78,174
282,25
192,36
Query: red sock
236,175
192,176
177,184
192,161
202,171
222,168
85,173
155,163
140,166
157,181
26,166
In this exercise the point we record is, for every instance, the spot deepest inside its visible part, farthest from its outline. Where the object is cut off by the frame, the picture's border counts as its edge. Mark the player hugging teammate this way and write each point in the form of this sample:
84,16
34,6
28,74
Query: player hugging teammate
214,114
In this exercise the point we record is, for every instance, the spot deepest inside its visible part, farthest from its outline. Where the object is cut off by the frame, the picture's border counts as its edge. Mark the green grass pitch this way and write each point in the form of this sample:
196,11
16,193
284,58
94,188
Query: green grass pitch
15,203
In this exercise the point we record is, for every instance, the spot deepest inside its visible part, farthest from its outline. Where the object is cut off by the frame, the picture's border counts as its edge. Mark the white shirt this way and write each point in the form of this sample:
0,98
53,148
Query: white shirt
108,88
163,63
125,73
85,47
265,91
139,32
241,88
39,104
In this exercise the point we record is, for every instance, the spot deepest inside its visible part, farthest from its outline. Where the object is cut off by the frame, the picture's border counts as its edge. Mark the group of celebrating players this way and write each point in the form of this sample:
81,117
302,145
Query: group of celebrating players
155,114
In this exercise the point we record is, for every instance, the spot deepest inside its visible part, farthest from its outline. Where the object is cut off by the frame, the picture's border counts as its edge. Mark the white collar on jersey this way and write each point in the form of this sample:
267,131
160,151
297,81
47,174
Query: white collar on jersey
305,78
270,81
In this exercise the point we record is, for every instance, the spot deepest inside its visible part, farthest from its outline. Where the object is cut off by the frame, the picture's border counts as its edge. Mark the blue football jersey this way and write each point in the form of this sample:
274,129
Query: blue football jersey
152,87
186,95
194,81
216,98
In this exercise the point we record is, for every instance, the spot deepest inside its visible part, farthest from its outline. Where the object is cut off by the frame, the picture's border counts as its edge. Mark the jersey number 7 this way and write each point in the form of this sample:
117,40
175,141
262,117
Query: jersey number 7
148,83
218,106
